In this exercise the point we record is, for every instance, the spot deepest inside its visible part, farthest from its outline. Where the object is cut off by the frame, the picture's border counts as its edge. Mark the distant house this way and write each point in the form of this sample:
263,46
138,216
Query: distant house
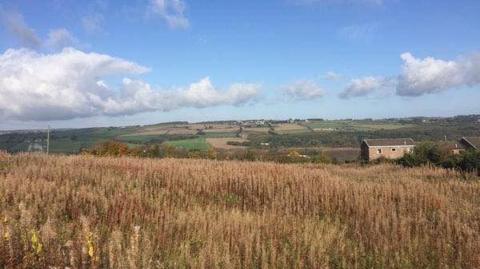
372,149
452,147
471,142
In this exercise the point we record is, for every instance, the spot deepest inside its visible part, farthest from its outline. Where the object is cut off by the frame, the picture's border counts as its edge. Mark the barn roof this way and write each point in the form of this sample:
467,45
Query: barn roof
389,142
450,145
473,141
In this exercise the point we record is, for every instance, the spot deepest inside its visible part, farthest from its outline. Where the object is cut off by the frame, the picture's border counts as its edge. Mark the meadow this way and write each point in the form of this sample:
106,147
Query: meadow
191,144
92,212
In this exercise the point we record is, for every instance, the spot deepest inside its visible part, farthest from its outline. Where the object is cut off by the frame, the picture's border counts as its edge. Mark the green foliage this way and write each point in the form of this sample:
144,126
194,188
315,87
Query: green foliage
469,161
351,137
322,158
466,162
423,154
153,139
199,143
110,148
317,133
239,143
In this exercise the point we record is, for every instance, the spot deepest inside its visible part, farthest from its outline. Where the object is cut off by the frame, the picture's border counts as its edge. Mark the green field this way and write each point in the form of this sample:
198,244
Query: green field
191,144
133,138
317,133
219,134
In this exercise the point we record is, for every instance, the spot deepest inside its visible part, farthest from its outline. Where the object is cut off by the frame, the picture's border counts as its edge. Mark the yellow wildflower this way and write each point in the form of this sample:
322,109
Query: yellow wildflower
90,246
36,244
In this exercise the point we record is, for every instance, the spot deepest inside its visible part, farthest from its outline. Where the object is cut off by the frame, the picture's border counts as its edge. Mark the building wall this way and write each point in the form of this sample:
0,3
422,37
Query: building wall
388,152
457,151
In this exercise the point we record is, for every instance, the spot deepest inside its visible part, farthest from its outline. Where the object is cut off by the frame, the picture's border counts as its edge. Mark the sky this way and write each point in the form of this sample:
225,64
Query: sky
68,63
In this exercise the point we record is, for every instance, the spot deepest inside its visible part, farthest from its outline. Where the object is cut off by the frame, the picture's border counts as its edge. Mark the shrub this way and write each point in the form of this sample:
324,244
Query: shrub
423,154
469,162
322,158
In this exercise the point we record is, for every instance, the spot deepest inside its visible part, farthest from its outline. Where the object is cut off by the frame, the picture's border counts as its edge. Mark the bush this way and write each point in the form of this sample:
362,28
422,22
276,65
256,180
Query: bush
110,148
466,162
238,143
469,162
423,154
322,158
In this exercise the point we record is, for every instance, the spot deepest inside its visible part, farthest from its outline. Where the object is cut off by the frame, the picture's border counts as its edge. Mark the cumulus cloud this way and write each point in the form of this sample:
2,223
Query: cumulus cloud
430,75
332,76
203,94
16,25
365,86
172,11
72,84
60,38
303,90
421,76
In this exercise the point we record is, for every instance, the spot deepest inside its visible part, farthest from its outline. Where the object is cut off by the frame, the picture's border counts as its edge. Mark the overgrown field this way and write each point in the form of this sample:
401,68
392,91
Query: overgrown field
88,212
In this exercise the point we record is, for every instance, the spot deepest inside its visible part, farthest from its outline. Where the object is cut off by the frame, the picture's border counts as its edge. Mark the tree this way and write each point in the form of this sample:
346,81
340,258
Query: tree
212,153
110,148
423,154
469,162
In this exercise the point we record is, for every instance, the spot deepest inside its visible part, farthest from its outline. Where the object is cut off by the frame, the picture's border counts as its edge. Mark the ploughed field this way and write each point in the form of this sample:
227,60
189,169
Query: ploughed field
88,212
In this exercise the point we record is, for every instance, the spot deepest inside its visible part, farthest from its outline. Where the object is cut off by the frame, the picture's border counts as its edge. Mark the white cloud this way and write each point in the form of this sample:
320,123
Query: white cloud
430,75
16,25
332,76
303,90
204,94
60,38
72,84
365,86
172,11
421,76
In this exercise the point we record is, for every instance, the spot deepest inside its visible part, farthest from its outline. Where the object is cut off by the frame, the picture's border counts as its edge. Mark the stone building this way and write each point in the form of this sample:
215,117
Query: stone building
471,142
372,149
452,147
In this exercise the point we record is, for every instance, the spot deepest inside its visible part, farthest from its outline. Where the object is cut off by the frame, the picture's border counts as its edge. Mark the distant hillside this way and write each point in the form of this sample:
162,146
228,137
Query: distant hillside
254,133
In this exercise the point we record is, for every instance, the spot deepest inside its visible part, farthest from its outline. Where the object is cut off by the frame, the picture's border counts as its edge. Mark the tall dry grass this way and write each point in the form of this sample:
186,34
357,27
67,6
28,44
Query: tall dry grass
87,212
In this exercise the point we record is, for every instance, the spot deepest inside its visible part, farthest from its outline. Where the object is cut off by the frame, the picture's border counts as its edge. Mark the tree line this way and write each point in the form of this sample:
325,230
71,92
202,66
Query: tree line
428,153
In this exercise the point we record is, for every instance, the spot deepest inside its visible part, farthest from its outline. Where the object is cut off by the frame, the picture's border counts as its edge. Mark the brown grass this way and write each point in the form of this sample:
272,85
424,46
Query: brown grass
259,130
287,128
221,143
87,212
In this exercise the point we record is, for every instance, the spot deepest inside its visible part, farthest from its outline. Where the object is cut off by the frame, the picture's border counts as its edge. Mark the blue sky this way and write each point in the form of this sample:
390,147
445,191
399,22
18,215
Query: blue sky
94,63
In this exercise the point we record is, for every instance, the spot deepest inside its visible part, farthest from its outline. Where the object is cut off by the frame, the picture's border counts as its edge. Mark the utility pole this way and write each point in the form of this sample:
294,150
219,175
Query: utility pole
48,140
